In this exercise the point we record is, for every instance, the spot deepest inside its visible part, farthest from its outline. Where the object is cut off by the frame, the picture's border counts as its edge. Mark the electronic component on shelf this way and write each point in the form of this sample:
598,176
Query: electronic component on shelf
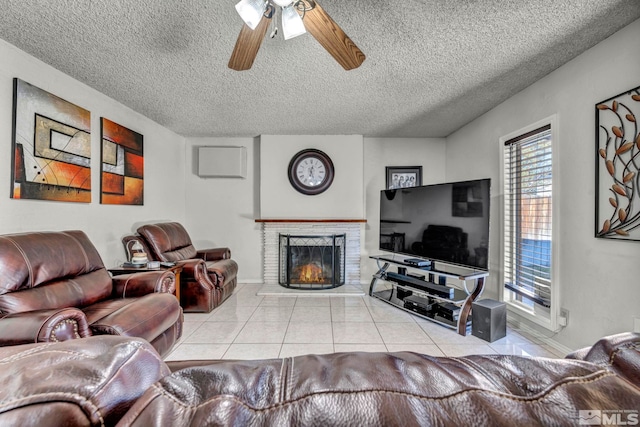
444,320
419,305
417,262
402,293
448,311
432,288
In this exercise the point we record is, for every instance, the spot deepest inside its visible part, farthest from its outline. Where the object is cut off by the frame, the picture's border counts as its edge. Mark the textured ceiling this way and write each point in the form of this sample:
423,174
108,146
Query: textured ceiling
432,65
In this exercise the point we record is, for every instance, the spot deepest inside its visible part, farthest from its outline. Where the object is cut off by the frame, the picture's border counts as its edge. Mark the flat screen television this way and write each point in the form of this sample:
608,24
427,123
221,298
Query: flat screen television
443,222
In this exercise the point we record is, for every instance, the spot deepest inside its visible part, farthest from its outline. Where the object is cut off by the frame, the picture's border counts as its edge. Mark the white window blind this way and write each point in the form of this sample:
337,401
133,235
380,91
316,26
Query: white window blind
527,216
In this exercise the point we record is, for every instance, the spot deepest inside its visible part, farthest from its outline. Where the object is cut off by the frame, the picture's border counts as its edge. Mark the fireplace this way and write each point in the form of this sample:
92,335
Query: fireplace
273,228
312,262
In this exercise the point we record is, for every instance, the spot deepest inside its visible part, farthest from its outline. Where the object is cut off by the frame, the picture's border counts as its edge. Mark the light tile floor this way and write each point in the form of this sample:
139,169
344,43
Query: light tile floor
248,326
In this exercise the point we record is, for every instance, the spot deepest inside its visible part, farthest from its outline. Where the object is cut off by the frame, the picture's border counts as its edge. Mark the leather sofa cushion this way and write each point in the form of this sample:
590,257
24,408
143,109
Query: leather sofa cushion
31,259
383,389
78,291
169,240
87,382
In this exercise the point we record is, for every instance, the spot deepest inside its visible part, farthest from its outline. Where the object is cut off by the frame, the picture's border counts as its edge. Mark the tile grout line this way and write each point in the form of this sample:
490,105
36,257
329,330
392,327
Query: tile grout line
288,325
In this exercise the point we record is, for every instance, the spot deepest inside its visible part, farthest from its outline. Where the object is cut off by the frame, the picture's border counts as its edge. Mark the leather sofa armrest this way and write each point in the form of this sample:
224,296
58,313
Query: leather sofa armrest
619,353
223,269
214,254
51,325
143,283
197,269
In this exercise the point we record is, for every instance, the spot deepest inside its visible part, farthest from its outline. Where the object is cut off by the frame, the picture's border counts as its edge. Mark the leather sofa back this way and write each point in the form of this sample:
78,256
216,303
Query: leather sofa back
169,241
50,270
403,389
77,291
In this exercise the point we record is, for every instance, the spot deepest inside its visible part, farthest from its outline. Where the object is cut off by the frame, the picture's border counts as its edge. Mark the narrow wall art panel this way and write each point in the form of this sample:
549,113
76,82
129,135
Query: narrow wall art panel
51,147
122,177
617,166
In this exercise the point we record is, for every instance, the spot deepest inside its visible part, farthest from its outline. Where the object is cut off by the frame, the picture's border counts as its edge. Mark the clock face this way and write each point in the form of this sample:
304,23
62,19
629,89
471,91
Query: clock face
311,172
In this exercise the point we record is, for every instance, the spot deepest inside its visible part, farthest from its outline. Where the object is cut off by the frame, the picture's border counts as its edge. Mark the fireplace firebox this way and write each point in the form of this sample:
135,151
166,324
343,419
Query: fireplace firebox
312,262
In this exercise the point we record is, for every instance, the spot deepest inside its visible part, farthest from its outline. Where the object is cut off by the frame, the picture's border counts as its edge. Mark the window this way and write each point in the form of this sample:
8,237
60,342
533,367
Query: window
529,285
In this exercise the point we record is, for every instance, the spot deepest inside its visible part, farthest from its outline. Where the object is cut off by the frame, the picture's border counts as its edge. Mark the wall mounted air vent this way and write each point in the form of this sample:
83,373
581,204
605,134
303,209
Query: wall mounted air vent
222,162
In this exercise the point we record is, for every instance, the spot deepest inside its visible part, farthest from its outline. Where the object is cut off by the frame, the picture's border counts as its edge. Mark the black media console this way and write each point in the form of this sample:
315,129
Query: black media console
445,305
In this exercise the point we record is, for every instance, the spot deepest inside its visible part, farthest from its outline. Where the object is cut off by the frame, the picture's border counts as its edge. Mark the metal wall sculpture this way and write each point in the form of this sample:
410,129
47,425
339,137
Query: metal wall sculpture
51,156
617,167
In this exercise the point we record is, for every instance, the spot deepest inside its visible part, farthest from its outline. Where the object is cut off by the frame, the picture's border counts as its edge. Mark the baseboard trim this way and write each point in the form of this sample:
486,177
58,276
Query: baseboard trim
545,340
251,281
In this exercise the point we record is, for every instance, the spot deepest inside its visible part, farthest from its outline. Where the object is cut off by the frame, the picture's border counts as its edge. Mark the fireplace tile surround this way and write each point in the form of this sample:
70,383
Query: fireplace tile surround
271,242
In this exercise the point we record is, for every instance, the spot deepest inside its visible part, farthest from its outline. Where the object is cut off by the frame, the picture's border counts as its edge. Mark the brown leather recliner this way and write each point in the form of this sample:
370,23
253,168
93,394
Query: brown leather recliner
208,276
54,287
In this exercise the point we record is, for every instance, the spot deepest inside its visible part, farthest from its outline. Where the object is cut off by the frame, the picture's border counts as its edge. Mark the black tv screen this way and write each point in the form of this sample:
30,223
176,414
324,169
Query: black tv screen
443,222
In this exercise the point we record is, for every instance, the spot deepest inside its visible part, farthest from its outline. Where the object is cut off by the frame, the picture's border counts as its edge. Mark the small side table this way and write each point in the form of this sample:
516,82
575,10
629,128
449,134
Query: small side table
176,269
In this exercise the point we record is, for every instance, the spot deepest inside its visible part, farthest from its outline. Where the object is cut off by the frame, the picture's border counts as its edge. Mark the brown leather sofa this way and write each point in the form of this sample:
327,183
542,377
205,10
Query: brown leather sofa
54,287
208,276
112,380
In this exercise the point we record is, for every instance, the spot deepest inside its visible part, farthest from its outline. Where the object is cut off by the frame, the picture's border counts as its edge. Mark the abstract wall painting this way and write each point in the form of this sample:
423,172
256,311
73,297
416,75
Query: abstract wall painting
122,177
51,147
618,167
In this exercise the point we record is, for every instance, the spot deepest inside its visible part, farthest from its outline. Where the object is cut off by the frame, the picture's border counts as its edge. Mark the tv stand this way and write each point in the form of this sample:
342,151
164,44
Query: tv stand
424,296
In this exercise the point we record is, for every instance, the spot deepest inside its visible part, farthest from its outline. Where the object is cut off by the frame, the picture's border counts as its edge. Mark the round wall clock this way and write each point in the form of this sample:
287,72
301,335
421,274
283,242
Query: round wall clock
311,172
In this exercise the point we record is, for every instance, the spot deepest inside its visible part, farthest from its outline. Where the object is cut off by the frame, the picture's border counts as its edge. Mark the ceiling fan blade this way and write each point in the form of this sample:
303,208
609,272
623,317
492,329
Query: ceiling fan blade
332,38
247,45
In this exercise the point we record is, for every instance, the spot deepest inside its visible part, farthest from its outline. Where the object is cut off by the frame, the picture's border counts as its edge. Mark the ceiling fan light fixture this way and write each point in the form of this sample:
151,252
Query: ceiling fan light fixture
282,3
251,11
292,25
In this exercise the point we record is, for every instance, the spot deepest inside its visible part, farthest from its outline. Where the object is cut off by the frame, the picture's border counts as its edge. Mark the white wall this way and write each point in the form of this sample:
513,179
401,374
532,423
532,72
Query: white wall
344,199
104,224
598,278
380,153
221,212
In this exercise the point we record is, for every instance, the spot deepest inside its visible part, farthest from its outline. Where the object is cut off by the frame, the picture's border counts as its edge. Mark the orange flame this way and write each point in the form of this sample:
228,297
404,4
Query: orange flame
310,273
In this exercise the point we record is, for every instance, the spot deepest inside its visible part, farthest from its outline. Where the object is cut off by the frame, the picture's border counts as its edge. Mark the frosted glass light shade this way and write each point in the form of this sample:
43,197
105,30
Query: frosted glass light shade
283,3
292,25
251,11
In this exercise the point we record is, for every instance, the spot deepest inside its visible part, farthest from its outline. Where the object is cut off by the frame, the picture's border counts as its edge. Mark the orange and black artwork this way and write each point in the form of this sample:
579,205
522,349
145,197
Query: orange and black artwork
122,177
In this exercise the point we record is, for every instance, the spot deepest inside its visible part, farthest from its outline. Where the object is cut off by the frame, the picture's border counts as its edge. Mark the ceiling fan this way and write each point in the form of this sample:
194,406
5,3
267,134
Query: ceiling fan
298,17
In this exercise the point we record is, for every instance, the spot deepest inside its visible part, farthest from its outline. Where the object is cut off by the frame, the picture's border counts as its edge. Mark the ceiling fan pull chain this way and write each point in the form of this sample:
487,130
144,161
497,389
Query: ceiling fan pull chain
274,24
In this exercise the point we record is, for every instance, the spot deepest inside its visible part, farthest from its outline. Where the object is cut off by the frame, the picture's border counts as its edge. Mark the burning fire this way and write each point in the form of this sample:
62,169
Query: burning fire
310,273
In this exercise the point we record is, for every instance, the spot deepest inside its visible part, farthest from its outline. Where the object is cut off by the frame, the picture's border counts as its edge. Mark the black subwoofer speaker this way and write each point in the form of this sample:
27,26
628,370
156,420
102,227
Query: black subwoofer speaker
489,319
